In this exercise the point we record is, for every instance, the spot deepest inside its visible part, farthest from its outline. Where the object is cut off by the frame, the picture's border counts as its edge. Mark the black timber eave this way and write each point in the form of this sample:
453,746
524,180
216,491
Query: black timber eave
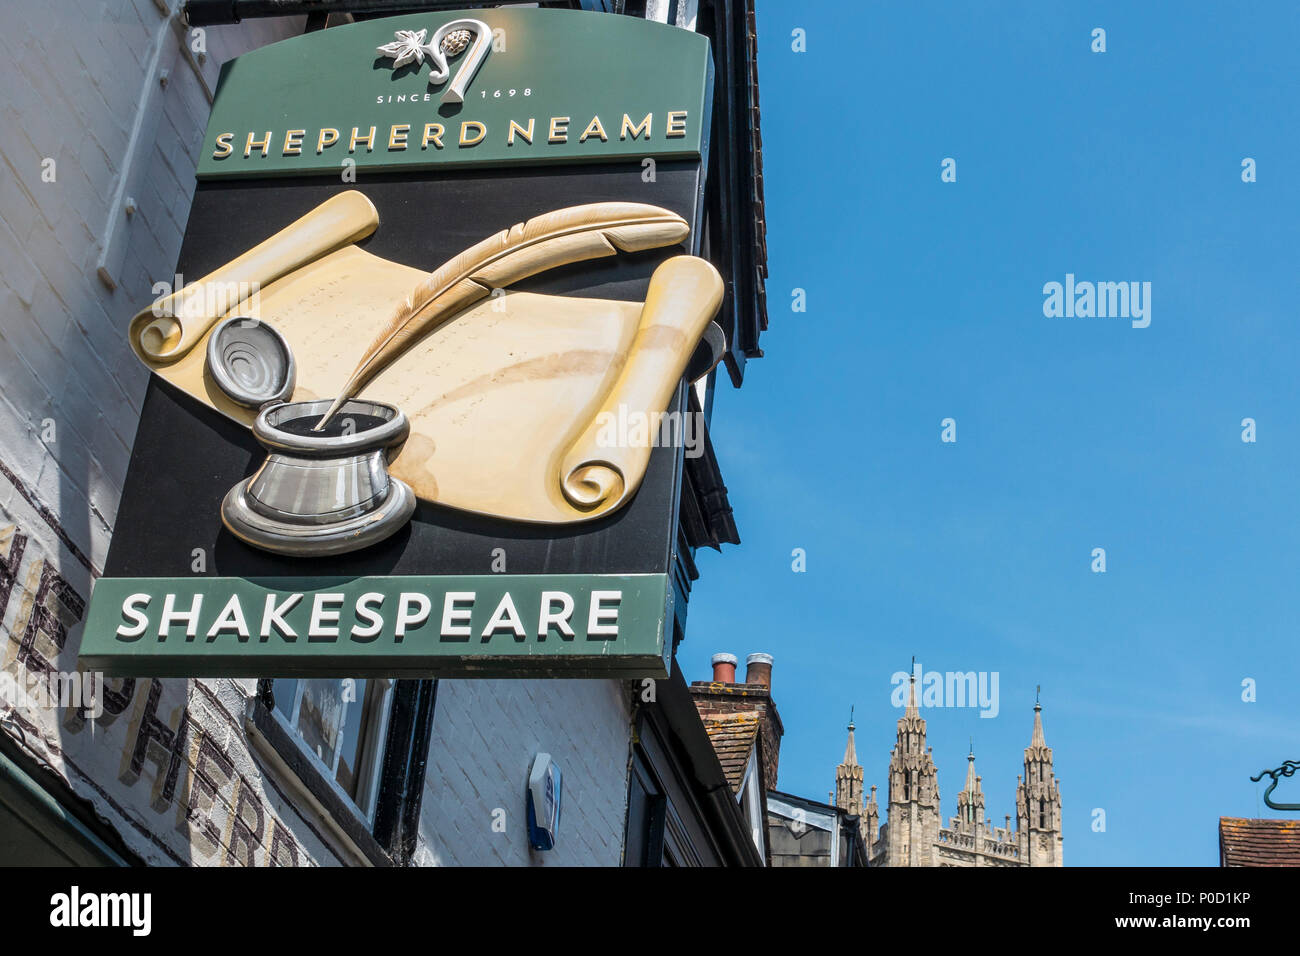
737,235
675,712
706,519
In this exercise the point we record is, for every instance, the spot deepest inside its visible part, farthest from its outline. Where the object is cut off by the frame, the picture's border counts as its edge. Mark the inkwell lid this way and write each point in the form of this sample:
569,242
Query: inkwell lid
251,362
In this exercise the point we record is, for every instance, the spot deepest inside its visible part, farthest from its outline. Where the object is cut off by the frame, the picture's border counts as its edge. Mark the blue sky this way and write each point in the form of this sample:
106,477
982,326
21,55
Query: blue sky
925,301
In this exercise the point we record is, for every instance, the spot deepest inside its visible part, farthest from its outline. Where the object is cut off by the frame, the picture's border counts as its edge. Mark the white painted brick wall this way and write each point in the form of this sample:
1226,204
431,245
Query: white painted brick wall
485,735
72,75
71,79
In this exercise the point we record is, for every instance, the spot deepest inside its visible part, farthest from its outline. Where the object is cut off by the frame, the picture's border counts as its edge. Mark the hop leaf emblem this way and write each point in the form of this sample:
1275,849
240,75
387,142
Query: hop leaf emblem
455,41
409,47
449,40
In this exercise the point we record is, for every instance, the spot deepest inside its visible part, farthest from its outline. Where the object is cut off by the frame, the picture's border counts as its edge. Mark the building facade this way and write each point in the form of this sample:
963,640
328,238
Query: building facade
913,833
807,833
107,107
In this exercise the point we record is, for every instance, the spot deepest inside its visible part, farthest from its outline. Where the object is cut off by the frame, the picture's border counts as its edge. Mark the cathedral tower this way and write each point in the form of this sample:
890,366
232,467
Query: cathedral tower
1038,802
914,833
913,827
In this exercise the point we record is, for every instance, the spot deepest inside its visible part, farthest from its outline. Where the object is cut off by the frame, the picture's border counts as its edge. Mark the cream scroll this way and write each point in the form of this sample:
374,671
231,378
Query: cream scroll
507,394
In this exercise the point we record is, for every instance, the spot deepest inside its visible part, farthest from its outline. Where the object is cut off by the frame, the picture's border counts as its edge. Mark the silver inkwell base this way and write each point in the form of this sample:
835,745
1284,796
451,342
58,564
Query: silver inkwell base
326,492
319,492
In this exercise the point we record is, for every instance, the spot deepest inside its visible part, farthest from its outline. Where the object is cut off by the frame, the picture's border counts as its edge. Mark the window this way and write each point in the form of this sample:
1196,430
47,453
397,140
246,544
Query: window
655,834
341,725
646,806
359,748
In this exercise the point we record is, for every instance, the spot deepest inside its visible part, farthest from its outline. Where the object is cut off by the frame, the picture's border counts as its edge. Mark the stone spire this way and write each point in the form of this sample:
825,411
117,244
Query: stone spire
871,821
1038,740
911,726
848,778
970,802
914,834
1038,802
911,710
913,827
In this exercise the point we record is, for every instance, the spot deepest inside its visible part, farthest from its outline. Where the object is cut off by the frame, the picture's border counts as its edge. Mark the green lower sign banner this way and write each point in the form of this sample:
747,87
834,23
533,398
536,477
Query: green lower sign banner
493,625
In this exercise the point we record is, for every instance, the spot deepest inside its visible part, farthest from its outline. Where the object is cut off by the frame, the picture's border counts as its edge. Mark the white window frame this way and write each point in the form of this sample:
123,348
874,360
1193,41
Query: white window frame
751,804
371,751
826,819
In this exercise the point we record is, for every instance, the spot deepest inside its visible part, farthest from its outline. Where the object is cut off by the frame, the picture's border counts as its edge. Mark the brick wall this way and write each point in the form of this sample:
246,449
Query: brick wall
74,75
166,764
485,734
715,699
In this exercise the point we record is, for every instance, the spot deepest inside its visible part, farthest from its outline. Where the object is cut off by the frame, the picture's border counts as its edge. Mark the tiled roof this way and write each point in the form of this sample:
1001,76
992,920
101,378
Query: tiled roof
733,737
1259,842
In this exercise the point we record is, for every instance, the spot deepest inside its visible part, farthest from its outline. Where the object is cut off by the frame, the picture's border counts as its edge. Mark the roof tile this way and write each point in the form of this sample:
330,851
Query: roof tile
733,736
1244,842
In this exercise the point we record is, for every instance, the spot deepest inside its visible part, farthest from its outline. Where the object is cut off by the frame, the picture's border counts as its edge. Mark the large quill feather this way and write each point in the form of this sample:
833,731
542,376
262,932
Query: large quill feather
553,239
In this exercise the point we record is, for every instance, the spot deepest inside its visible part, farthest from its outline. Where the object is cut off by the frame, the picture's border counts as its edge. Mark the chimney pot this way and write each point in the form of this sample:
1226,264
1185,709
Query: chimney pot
758,670
724,668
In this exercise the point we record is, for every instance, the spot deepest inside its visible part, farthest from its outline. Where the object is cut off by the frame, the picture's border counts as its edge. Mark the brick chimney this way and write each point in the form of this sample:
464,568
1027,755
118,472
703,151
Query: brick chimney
722,696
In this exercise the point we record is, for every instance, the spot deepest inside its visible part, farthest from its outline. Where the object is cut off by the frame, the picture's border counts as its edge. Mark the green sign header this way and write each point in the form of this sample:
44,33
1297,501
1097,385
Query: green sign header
495,625
492,87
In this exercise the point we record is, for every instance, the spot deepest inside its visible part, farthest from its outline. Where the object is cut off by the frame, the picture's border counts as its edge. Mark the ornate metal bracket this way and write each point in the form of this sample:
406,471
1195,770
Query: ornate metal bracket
1288,768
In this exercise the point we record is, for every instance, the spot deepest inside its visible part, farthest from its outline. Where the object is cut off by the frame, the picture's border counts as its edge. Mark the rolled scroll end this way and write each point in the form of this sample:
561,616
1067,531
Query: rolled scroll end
592,485
174,324
157,338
